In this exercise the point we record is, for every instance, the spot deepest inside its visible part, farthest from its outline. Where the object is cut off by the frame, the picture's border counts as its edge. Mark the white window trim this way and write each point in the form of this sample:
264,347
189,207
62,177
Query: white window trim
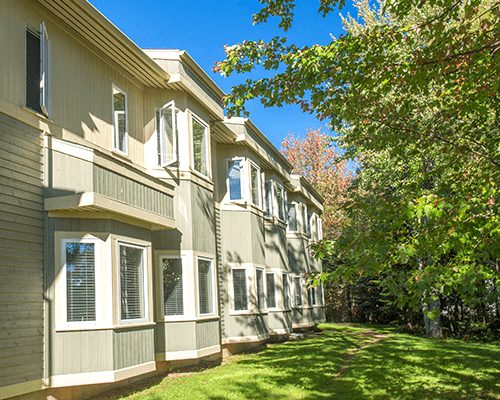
260,310
247,287
295,204
185,315
212,286
294,289
207,147
276,300
144,284
115,121
243,184
162,150
289,291
259,185
63,286
272,212
283,202
314,296
44,70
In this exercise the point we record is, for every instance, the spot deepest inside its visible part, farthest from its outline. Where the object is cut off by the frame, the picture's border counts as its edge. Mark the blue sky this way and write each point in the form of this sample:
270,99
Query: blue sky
202,28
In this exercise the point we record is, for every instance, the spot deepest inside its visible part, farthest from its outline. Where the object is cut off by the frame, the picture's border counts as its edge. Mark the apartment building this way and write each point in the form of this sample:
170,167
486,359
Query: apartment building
141,229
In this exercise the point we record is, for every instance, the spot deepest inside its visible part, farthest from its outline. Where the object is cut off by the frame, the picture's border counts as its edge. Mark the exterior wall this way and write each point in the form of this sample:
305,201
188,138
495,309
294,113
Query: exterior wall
21,249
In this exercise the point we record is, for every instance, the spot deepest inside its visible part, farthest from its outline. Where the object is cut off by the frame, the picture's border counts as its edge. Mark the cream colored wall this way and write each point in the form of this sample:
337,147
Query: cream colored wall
81,80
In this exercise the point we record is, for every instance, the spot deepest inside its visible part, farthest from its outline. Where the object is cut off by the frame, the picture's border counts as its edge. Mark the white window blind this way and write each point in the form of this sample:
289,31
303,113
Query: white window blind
132,277
271,290
172,286
240,291
261,294
80,282
205,286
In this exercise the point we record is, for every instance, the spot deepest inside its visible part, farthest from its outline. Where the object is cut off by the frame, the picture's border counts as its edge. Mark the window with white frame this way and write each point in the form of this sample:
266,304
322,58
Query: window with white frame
240,289
255,185
309,225
260,289
305,221
319,229
79,274
200,146
174,273
268,198
280,199
38,70
120,132
167,134
286,291
311,294
205,286
293,220
235,179
297,291
320,294
271,289
133,279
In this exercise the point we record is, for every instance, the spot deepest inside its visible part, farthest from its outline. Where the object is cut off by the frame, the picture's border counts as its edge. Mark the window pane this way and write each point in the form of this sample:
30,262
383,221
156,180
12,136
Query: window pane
254,183
33,72
166,129
131,283
199,147
304,218
261,295
286,292
172,286
119,120
292,218
269,198
297,290
235,174
280,200
271,291
205,286
240,290
80,282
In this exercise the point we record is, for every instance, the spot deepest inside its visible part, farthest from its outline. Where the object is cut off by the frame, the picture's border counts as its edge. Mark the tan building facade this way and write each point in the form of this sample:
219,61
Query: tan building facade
141,229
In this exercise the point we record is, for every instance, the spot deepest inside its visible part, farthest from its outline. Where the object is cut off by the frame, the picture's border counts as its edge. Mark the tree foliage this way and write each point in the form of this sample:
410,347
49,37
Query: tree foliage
315,157
412,88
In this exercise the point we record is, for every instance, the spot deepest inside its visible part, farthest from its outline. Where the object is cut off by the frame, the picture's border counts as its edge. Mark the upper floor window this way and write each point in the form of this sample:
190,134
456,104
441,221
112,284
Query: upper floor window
120,133
280,199
293,221
305,220
38,71
167,134
319,228
235,179
255,184
200,146
268,199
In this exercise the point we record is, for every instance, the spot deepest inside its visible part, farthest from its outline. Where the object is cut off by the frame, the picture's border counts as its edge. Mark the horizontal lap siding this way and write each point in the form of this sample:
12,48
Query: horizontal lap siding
21,252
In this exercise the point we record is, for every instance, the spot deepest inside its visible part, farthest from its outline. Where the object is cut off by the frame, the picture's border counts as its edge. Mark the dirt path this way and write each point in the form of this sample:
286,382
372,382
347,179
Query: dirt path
376,337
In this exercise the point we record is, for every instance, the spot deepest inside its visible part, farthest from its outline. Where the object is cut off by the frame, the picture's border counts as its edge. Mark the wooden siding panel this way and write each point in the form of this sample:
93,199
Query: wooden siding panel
203,224
207,334
21,252
133,347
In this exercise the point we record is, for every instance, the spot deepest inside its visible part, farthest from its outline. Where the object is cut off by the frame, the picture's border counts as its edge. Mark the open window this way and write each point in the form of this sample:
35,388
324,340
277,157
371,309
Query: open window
255,186
200,146
38,70
167,134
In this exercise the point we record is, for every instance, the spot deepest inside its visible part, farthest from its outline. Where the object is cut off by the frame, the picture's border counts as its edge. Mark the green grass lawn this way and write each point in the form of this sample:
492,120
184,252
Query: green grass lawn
397,367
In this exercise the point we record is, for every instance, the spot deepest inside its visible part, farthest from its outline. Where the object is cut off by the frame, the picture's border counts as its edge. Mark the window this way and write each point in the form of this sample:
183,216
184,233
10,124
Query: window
254,184
132,282
167,134
268,199
271,289
240,289
200,147
293,222
304,219
235,178
120,134
309,225
38,71
320,294
286,291
319,230
297,291
173,286
205,291
311,294
79,272
280,198
261,294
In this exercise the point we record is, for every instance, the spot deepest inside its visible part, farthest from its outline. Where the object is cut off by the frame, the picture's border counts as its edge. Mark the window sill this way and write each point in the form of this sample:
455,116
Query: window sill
207,317
126,325
249,313
42,116
121,154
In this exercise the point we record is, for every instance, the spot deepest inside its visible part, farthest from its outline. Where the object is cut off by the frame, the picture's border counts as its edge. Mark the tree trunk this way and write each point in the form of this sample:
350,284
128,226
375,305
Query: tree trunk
432,327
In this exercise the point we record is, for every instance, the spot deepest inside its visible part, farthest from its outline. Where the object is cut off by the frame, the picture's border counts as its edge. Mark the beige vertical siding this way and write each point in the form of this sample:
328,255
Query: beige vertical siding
207,334
132,347
21,252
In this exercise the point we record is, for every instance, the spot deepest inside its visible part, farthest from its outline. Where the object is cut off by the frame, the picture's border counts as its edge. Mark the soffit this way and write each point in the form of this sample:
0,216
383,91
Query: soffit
94,28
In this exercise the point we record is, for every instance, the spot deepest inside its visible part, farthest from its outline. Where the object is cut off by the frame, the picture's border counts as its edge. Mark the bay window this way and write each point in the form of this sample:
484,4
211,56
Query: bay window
132,273
293,221
200,146
235,179
240,289
173,285
268,199
255,185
